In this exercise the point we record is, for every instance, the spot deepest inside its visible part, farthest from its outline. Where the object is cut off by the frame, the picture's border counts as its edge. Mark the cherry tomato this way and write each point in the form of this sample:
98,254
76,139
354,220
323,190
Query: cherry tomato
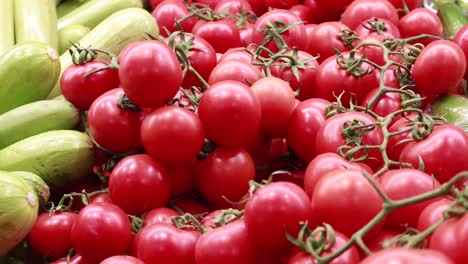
225,174
373,53
246,34
101,230
234,70
273,210
233,7
305,13
112,127
407,255
215,246
432,213
324,39
239,54
230,113
50,235
432,151
149,73
161,215
421,21
385,105
168,12
81,91
122,260
100,198
221,34
303,126
411,4
461,38
369,27
172,134
277,103
361,10
397,143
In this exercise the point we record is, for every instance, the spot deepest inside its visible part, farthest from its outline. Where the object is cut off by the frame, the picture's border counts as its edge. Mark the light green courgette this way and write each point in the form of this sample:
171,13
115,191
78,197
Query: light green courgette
71,34
7,25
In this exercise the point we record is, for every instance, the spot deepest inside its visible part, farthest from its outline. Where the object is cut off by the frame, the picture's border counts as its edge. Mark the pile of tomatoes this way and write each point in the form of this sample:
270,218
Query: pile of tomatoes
270,131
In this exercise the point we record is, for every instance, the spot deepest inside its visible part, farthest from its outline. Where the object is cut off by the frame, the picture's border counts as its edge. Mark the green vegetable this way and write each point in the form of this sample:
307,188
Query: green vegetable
94,12
7,26
37,183
60,157
114,34
454,108
68,6
36,20
18,211
35,118
71,34
28,73
452,19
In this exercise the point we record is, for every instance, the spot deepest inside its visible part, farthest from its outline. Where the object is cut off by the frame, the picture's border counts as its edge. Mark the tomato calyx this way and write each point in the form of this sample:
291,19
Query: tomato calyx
227,216
81,55
274,32
188,221
352,64
66,202
314,242
348,37
125,104
374,24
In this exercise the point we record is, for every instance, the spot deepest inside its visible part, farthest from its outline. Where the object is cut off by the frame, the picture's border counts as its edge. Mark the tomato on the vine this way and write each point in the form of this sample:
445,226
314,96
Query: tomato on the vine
361,10
221,34
168,12
433,213
421,21
324,39
235,70
233,7
161,215
378,26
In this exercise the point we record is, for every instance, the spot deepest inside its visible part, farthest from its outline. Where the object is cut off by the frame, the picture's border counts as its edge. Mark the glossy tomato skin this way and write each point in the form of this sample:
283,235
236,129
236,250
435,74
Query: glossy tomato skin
221,34
451,238
361,10
82,91
226,172
385,105
161,215
432,150
373,53
77,259
377,243
292,37
402,184
305,13
421,21
215,246
274,209
461,38
234,70
246,34
390,31
432,213
122,260
139,183
165,244
230,113
239,54
172,134
303,126
394,147
182,178
149,73
331,139
324,38
407,255
101,230
346,194
277,103
325,163
210,3
233,7
168,12
50,235
113,128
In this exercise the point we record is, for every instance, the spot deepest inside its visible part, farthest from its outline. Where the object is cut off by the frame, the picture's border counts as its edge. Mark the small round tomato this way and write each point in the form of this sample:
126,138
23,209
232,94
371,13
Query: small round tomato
172,134
305,13
50,235
230,113
388,103
421,21
324,39
346,194
273,210
239,54
277,103
397,143
101,230
161,215
100,198
411,4
122,260
112,127
235,70
373,53
461,38
225,174
77,259
233,7
407,255
221,34
361,10
433,213
303,126
138,183
373,26
81,91
149,73
168,12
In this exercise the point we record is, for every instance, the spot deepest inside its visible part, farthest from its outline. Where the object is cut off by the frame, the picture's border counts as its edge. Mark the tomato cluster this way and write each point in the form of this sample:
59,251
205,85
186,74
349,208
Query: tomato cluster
271,131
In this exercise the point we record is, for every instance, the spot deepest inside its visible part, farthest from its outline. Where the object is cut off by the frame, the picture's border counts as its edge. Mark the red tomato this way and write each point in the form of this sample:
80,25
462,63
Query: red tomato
293,176
233,7
215,246
451,238
225,174
50,235
230,113
432,151
333,80
113,128
331,139
421,21
385,105
411,4
138,183
407,255
182,178
284,4
154,3
305,13
258,6
303,126
221,34
377,243
82,91
122,260
361,10
161,215
346,194
168,12
273,210
324,39
325,163
191,206
307,76
350,256
402,184
165,244
100,198
239,54
318,14
246,34
394,148
390,30
234,70
77,259
172,134
149,73
373,53
210,3
432,213
277,103
461,38
292,37
336,5
101,230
